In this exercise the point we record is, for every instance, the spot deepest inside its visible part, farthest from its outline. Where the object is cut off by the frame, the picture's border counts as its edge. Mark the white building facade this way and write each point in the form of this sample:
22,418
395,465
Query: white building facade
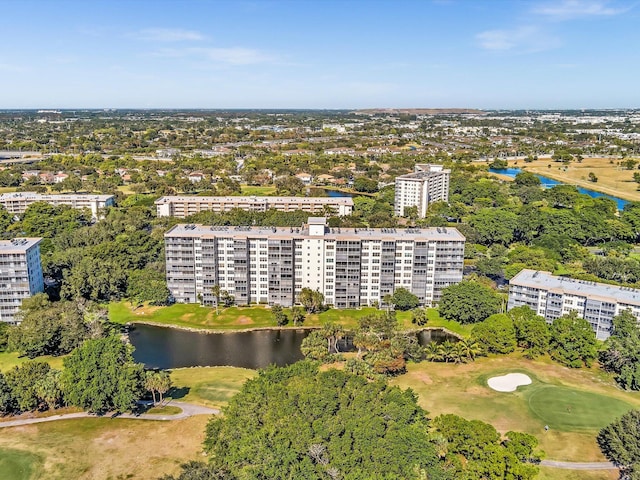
20,274
428,183
184,206
551,297
17,202
350,267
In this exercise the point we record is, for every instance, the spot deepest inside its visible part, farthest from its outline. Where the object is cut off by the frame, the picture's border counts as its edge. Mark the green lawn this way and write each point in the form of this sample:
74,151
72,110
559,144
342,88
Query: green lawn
209,386
164,410
242,318
258,190
8,360
568,409
575,403
7,189
19,464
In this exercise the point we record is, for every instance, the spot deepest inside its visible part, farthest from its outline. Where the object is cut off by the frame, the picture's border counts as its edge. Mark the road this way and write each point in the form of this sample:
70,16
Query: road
579,465
188,410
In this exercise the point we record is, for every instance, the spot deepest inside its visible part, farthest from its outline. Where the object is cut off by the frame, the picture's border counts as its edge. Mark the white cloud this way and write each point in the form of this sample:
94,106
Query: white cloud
525,39
570,9
169,35
237,55
221,56
8,67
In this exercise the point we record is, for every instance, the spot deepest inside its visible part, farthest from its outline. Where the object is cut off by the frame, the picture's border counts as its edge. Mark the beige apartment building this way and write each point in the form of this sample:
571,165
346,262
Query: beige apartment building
349,266
184,206
551,296
20,274
427,184
17,202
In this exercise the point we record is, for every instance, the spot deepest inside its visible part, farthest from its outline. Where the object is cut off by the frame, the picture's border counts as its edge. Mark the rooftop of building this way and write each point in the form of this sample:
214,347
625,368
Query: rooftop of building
49,196
600,291
254,199
388,234
18,245
425,170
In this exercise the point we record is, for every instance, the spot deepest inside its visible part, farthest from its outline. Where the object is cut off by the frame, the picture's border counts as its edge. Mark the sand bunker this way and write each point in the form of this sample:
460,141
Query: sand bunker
509,382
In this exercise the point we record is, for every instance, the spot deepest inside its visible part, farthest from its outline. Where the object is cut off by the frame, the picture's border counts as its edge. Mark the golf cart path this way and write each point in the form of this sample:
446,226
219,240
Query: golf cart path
579,465
188,410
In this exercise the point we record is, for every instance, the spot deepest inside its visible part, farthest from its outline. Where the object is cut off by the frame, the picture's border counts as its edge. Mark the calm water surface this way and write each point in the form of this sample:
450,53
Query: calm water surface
159,347
547,182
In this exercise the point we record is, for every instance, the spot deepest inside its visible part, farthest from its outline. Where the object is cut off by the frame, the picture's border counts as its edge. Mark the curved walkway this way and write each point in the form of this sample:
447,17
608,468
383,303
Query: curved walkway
188,410
579,465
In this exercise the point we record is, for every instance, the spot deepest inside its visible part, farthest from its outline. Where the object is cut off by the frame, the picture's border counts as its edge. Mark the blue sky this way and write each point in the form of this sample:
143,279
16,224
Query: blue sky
320,54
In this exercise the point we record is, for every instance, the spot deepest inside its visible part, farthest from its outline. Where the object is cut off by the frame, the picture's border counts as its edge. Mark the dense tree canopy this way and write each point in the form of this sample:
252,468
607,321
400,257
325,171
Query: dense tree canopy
403,299
101,376
620,443
474,451
573,342
532,331
24,381
468,302
496,334
298,422
55,328
621,352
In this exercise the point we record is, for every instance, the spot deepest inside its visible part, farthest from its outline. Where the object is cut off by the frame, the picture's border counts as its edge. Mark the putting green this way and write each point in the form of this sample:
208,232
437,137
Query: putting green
18,464
568,409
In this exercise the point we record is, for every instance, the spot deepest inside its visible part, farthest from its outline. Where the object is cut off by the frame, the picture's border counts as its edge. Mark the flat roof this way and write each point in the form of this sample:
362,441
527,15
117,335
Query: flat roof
47,196
423,175
388,234
18,245
254,199
599,291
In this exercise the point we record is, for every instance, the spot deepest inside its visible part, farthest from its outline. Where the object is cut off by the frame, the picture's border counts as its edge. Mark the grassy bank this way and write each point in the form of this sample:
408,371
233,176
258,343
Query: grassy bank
242,318
8,360
258,190
208,386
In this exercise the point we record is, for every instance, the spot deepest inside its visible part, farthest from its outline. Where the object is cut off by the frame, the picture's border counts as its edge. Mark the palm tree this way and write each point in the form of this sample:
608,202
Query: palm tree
470,348
434,353
448,350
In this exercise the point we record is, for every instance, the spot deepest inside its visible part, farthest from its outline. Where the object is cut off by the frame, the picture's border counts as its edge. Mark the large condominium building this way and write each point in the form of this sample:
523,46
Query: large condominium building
17,202
183,206
551,297
429,183
350,266
20,274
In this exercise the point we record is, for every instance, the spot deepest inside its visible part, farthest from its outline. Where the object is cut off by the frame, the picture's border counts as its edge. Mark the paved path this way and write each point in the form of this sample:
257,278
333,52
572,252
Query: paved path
579,465
188,410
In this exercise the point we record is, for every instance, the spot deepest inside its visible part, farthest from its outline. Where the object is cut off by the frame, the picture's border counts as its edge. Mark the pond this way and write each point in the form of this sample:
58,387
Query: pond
547,182
162,347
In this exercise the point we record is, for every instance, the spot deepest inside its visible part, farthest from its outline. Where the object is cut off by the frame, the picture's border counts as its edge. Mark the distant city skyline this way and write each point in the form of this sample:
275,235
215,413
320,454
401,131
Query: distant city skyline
562,54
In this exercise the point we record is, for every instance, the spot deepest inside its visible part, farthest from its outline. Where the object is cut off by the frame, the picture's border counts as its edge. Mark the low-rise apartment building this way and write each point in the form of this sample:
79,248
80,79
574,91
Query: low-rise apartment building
17,202
183,206
20,274
427,184
349,266
551,297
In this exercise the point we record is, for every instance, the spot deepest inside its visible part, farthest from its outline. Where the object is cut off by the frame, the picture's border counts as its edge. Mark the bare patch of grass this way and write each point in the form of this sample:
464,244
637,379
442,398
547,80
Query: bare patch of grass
104,448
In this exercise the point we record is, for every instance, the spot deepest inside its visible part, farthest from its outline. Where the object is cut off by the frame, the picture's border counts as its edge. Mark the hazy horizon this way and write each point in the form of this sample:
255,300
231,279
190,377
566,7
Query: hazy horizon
336,55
